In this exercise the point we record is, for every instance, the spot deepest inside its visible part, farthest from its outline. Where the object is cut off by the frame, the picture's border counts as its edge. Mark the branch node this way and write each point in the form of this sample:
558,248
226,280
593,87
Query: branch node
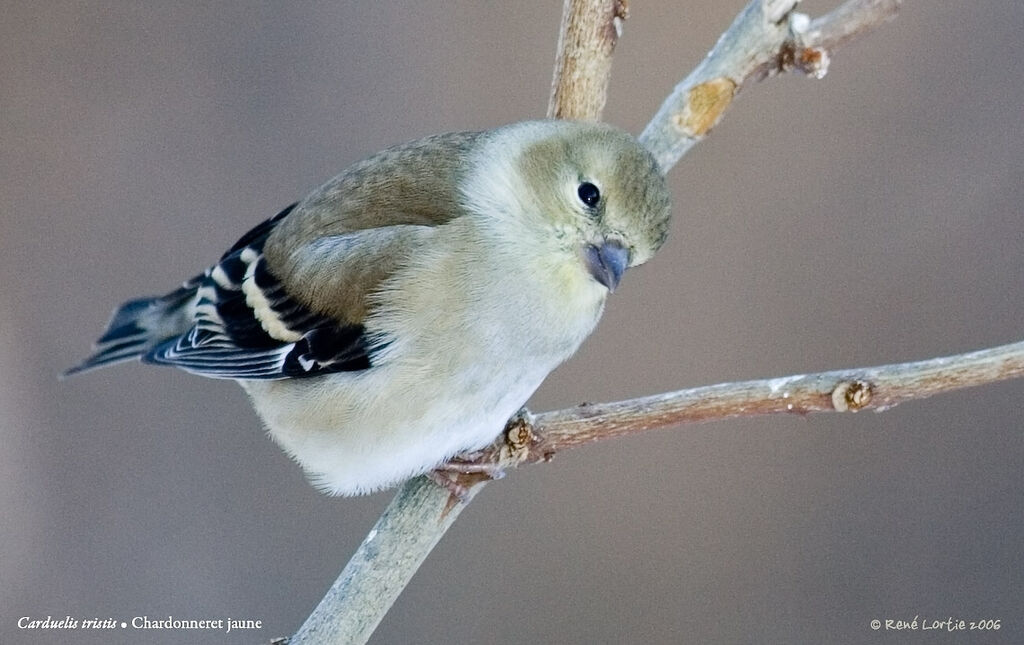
519,438
796,54
814,62
851,395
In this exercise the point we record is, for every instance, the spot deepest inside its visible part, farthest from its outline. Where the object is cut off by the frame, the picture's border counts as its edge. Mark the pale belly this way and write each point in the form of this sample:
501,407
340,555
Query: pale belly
355,433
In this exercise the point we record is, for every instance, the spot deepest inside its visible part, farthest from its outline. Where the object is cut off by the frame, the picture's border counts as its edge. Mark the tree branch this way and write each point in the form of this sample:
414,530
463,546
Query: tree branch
530,438
590,29
766,38
393,550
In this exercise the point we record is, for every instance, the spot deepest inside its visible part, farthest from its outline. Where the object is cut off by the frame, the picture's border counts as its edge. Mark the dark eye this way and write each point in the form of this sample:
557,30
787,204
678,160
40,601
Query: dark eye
589,194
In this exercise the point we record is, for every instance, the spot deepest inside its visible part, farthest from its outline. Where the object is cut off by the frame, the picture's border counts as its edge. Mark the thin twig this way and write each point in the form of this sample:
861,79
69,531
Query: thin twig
531,438
847,21
765,39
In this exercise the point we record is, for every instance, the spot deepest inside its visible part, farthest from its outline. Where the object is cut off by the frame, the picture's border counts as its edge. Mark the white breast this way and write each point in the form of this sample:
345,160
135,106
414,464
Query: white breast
459,361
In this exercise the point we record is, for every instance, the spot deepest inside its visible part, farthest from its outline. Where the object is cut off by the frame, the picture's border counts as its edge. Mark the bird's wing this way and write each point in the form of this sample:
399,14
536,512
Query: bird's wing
290,297
247,324
351,233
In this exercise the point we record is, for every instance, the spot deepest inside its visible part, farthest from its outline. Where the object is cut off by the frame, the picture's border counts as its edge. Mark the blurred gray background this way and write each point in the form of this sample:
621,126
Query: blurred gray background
868,218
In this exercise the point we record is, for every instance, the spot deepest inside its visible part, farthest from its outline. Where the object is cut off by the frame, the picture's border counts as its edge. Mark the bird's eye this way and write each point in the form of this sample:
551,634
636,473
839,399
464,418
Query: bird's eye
589,194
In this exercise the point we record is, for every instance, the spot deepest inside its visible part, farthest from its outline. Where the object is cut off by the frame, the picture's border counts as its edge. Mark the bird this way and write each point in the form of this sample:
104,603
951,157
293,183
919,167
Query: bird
403,311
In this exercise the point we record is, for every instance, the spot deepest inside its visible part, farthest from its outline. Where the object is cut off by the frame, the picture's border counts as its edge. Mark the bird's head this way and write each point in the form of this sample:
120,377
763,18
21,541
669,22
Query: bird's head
586,191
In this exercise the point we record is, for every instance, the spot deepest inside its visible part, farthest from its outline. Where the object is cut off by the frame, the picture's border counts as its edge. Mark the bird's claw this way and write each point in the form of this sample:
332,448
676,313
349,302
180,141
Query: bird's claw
458,476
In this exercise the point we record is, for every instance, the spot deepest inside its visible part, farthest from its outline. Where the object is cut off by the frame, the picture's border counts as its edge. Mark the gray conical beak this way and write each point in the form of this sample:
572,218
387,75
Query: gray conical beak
607,262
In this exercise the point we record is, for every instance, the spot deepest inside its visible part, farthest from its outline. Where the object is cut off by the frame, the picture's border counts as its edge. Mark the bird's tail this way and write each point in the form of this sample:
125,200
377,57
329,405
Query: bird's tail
139,325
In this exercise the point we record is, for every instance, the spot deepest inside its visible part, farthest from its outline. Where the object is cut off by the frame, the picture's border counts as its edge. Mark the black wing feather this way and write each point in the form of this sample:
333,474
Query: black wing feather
230,341
208,327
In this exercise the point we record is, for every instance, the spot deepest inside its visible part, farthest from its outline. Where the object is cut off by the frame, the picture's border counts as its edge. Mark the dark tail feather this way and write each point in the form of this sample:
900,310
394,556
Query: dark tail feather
139,325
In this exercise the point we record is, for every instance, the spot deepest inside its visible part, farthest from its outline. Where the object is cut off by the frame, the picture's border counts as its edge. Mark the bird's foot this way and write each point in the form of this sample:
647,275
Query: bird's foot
459,475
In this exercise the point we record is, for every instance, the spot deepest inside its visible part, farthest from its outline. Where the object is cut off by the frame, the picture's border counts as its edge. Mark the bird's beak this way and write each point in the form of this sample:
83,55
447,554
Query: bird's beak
607,262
